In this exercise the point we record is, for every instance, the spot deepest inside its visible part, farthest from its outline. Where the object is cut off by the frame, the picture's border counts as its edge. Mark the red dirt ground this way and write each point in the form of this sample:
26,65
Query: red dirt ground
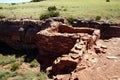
99,66
103,66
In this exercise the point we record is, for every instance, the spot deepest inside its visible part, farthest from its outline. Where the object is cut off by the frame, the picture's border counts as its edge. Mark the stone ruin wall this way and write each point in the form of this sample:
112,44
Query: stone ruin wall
20,34
66,43
108,30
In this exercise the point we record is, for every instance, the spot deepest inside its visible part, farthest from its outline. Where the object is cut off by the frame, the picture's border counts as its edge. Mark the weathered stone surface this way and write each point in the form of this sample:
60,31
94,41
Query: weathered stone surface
55,43
58,19
19,34
108,30
14,31
59,38
64,65
62,39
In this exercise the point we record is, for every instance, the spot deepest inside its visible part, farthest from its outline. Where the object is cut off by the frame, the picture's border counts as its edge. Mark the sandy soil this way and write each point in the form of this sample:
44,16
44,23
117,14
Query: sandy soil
102,66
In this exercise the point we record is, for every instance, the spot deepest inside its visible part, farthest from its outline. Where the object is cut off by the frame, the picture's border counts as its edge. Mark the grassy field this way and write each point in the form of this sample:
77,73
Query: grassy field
87,9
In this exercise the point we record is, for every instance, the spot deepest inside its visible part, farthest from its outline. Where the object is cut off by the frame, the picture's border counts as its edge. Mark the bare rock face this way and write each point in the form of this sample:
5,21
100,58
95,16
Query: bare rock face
61,39
64,64
18,34
21,34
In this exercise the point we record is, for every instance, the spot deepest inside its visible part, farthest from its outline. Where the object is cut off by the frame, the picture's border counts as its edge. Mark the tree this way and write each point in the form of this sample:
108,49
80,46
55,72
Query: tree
107,0
36,0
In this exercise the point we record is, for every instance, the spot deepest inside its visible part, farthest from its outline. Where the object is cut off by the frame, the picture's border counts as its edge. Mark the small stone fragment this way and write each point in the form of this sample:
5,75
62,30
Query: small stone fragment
78,47
104,46
111,57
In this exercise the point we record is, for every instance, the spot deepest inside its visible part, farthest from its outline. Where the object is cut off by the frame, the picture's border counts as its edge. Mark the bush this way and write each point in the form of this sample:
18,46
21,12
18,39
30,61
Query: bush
1,56
70,20
8,60
29,75
44,16
49,14
13,3
15,66
107,0
36,0
4,75
98,18
43,75
54,13
64,9
34,63
52,8
2,16
1,7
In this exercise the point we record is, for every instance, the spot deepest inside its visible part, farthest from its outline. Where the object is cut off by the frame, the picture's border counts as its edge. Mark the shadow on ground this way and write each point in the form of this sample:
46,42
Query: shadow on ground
29,54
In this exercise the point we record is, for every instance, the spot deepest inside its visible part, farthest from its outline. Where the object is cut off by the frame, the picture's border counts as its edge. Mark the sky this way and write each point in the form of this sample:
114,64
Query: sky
13,1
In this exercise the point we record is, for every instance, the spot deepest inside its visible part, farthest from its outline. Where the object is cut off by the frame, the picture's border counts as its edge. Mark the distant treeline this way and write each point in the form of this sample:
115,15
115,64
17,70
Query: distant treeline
36,0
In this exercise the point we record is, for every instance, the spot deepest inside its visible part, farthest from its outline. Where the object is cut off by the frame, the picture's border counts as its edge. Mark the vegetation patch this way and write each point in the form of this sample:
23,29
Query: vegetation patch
34,63
15,66
50,13
2,16
13,3
36,0
97,17
4,74
44,16
70,20
42,75
1,7
52,8
7,60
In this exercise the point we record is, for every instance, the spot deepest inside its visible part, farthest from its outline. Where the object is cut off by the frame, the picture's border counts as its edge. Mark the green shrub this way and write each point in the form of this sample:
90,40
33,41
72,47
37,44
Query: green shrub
36,0
34,63
22,59
107,0
49,14
1,56
2,16
15,66
98,18
70,20
44,16
54,13
43,75
8,60
28,75
64,9
1,7
13,3
52,8
4,75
